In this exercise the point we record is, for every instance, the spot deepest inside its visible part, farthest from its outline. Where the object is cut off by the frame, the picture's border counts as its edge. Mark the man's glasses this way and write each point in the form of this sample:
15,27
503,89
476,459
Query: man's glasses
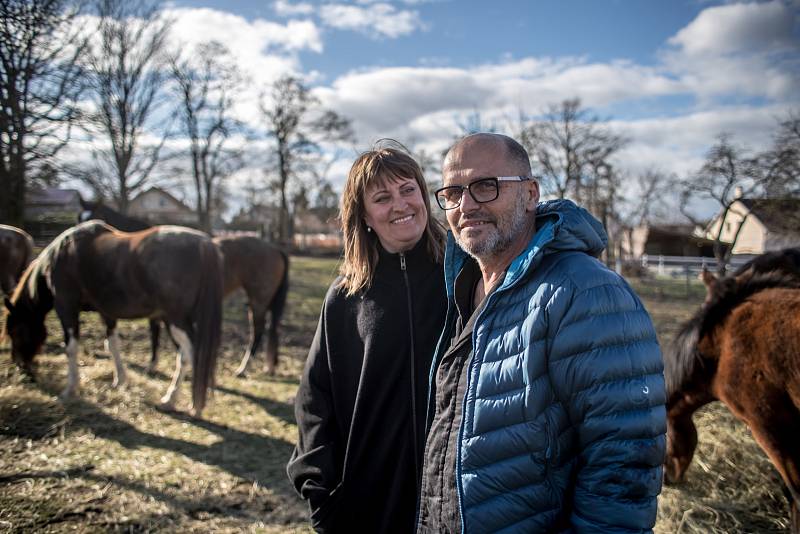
482,191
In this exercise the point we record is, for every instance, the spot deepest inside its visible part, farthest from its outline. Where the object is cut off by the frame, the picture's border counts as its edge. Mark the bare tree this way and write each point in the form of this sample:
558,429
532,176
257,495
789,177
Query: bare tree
40,82
781,164
727,175
127,67
205,88
297,123
652,186
571,150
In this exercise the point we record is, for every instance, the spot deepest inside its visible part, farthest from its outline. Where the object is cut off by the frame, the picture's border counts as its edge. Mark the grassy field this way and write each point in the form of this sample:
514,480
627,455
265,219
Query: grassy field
109,461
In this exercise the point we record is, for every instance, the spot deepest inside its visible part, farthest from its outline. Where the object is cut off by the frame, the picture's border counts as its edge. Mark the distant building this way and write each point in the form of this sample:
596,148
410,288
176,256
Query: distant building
312,231
158,206
769,224
665,240
51,203
261,218
49,211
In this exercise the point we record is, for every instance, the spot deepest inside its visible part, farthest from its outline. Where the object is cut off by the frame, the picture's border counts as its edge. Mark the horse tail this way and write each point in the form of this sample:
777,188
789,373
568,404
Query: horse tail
276,307
207,324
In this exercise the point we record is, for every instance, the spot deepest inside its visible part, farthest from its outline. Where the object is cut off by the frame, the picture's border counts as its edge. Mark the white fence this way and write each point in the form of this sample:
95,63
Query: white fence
688,265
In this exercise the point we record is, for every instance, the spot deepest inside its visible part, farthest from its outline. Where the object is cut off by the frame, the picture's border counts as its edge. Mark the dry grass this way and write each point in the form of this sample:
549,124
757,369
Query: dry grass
109,461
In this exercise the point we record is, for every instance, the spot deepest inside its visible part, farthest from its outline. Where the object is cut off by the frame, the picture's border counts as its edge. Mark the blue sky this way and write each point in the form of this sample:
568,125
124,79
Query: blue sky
670,75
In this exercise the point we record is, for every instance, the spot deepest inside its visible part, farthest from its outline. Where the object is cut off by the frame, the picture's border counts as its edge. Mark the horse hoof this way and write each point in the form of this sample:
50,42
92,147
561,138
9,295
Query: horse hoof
240,373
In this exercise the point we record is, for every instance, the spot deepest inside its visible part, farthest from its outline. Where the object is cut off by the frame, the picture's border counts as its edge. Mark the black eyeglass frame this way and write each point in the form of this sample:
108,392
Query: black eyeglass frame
468,188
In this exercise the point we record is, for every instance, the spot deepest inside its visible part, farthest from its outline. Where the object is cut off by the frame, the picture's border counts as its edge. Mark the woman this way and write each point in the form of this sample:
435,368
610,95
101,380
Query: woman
362,400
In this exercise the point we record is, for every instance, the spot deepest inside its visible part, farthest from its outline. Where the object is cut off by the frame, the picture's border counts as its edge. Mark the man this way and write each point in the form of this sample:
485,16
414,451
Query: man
547,395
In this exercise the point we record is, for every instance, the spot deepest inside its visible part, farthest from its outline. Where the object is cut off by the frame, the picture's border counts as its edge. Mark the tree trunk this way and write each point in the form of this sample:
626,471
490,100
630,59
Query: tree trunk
12,206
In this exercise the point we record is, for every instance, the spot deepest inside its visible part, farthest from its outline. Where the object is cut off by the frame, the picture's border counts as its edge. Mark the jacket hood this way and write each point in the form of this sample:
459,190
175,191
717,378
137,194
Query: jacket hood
561,225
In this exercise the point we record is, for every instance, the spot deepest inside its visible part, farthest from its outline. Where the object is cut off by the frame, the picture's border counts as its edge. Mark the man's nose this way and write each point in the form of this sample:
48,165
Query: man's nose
468,204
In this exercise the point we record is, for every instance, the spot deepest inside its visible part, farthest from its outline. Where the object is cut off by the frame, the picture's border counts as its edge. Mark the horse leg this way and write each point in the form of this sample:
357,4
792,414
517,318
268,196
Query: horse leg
272,347
155,333
682,434
73,377
112,346
257,316
182,361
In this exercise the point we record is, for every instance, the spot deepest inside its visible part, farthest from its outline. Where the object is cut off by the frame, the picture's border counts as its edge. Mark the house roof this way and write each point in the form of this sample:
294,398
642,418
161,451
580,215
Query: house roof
776,214
52,196
164,193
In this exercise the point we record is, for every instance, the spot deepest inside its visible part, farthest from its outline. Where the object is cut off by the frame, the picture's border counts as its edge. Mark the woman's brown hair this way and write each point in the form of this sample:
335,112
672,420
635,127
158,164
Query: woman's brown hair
387,161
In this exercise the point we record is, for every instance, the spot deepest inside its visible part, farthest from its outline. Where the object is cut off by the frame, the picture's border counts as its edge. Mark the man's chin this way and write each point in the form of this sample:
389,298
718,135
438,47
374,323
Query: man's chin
474,245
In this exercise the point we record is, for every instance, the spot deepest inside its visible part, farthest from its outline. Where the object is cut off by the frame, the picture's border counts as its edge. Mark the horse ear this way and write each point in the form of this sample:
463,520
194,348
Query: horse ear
9,306
707,277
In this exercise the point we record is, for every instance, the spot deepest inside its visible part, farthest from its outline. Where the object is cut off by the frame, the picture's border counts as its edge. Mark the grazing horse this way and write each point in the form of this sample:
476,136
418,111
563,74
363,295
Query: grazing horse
252,264
743,348
16,253
168,272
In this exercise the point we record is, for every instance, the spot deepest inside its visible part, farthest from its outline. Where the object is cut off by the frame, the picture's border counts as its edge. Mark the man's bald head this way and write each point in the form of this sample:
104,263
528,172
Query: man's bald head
500,145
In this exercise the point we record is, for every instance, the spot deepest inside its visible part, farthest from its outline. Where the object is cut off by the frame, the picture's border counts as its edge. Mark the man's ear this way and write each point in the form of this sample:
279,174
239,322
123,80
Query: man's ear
533,191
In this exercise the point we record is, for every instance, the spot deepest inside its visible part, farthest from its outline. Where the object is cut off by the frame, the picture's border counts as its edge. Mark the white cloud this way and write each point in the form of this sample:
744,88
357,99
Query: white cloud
379,20
284,8
256,38
740,27
746,49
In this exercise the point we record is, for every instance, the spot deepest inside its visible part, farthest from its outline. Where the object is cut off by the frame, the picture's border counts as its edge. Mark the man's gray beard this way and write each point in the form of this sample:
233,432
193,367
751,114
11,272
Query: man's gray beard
498,241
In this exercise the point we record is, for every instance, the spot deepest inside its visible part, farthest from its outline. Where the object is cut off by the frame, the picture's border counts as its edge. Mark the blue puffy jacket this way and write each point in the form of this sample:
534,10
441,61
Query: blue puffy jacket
563,422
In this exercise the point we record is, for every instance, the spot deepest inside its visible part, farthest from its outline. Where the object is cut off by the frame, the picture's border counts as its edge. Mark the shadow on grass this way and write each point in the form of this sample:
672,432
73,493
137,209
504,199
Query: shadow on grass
51,512
252,457
282,410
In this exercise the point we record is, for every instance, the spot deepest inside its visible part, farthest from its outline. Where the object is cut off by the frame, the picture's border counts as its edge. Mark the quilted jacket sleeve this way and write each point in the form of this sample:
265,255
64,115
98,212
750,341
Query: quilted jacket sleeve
607,371
312,468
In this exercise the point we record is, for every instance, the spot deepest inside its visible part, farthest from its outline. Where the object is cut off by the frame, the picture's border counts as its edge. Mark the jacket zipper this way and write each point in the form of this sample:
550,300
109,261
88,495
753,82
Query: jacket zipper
413,369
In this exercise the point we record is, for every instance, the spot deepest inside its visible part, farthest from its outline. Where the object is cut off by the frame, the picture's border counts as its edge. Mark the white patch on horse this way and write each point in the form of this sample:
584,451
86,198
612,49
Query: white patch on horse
182,361
73,379
242,370
173,229
112,345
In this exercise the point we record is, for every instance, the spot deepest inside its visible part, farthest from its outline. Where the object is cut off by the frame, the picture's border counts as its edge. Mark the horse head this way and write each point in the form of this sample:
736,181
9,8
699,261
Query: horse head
27,332
681,444
87,210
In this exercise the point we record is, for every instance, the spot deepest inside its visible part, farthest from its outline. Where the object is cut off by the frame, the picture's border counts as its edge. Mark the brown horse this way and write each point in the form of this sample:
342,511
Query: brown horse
252,264
168,272
16,253
742,348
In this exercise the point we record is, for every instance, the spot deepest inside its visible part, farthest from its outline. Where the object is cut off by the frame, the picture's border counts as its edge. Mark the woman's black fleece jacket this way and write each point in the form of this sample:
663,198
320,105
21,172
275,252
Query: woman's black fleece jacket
356,460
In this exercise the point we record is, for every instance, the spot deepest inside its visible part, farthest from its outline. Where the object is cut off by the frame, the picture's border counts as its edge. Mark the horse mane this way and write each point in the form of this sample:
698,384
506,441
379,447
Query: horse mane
786,260
683,356
40,268
118,220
